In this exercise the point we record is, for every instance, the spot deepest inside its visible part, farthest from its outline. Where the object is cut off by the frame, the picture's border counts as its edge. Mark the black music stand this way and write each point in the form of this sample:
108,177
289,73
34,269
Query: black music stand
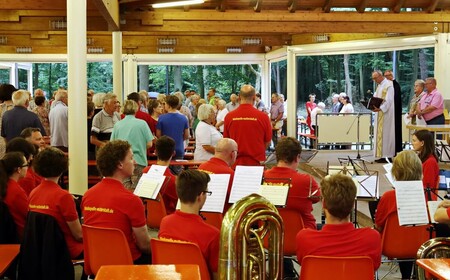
358,141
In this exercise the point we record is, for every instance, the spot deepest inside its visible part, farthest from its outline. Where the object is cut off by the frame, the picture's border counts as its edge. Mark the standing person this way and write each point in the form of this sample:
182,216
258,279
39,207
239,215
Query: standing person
423,144
138,134
59,122
336,103
259,104
310,105
186,224
103,122
206,134
397,110
384,126
247,121
49,198
419,86
115,163
42,112
155,109
318,110
405,167
339,237
431,105
276,117
211,95
6,91
13,167
174,125
221,113
233,104
348,107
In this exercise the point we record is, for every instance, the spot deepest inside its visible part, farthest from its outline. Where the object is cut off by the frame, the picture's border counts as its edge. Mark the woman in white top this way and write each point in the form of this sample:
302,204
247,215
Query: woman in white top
220,119
206,134
348,107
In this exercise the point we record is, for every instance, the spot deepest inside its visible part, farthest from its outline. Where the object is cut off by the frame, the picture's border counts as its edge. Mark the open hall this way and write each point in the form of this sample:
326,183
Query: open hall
302,51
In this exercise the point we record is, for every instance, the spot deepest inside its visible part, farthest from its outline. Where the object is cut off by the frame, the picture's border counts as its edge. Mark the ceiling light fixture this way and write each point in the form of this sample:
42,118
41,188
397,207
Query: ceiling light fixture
234,50
167,41
177,3
95,50
251,41
24,49
165,50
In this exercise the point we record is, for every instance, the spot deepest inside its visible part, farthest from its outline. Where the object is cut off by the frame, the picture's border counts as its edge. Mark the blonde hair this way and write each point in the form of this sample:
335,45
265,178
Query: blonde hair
407,166
20,97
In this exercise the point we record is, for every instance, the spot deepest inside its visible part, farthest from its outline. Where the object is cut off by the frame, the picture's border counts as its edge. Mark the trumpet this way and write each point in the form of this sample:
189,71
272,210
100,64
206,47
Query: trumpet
247,225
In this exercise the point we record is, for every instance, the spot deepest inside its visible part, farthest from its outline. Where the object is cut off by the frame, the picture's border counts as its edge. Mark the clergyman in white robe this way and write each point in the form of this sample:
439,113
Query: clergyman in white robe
384,127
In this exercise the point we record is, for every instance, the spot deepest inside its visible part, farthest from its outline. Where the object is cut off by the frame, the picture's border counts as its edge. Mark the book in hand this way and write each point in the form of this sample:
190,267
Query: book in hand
372,103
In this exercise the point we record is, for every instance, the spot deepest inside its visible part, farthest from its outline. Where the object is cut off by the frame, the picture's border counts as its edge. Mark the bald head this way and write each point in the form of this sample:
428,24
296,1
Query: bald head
247,94
226,149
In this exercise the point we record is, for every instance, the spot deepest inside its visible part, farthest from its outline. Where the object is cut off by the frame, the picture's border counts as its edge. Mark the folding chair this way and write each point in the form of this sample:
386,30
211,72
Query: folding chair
293,223
400,243
214,219
104,246
156,211
178,252
336,268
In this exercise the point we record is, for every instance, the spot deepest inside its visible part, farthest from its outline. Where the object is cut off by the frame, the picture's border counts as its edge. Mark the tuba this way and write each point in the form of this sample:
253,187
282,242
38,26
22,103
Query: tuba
246,226
436,248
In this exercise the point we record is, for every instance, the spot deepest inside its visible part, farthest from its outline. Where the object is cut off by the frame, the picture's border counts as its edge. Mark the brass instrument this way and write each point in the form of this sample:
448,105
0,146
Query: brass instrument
436,248
246,225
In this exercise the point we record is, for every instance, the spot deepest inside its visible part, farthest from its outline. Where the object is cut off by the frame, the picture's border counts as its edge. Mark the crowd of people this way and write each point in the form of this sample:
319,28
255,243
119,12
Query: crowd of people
226,134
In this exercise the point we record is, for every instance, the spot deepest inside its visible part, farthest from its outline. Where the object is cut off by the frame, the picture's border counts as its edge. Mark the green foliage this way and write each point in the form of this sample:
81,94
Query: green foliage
4,76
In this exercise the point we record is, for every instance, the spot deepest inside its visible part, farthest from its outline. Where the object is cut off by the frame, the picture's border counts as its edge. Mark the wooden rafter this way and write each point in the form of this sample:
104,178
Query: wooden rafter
328,5
362,6
292,6
258,6
398,5
433,5
110,12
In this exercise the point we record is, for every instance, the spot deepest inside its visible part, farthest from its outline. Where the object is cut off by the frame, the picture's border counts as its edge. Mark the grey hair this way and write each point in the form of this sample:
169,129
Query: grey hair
204,111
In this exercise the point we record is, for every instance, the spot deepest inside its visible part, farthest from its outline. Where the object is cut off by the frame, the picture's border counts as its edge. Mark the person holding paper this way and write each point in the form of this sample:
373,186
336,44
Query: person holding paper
406,167
164,150
206,134
108,204
419,85
423,144
338,236
224,157
250,128
186,224
384,127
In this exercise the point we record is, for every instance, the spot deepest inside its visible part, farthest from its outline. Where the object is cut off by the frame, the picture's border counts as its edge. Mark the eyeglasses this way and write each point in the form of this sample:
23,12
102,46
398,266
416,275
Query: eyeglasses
25,165
208,193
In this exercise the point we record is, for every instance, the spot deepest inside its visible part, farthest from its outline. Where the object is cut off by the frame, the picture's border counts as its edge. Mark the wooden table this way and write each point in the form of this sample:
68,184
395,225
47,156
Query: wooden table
437,267
442,128
155,272
8,252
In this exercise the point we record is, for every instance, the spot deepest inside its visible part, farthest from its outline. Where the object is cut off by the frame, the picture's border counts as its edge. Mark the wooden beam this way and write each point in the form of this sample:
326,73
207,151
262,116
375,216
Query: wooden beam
328,5
398,5
292,6
362,6
109,9
433,5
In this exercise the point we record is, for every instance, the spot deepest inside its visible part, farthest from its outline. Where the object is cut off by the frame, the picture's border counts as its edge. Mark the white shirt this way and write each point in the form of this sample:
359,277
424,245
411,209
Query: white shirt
221,117
205,134
347,108
314,113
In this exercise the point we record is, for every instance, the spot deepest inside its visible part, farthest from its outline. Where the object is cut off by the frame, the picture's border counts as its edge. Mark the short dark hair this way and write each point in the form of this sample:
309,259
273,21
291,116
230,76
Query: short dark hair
110,155
190,184
288,149
136,97
50,162
164,147
27,132
19,144
172,101
39,100
8,165
339,193
90,107
6,91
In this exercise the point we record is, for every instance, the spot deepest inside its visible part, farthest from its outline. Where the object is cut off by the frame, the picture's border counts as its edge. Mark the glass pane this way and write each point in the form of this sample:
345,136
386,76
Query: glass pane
4,76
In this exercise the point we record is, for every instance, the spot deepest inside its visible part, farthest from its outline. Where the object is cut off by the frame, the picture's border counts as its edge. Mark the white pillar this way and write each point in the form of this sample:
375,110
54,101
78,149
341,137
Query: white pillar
130,74
441,60
13,77
291,95
117,65
77,81
265,84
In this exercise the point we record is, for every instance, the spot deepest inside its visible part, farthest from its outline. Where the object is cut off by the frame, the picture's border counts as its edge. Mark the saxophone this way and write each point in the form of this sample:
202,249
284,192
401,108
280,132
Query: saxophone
248,225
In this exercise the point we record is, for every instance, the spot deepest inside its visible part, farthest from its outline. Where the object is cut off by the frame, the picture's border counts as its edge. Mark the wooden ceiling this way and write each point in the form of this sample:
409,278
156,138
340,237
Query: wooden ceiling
216,25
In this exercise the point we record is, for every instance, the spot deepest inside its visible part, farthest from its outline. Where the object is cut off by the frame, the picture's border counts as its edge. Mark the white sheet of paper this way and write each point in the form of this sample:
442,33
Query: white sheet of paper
432,206
411,206
387,167
447,182
406,119
156,170
420,121
443,180
390,178
277,195
218,185
149,186
247,180
367,186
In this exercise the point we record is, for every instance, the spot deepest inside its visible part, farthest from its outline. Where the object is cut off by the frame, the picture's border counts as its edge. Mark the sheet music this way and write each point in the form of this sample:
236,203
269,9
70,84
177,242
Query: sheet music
390,178
406,119
432,207
277,195
367,186
387,167
411,207
247,180
336,169
218,185
149,186
156,171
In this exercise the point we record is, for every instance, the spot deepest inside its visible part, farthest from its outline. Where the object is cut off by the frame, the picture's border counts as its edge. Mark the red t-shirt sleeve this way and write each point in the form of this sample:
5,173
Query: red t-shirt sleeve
67,207
136,212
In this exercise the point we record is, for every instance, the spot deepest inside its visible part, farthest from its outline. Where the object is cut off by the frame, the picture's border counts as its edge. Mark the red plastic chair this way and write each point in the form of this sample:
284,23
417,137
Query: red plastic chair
214,219
156,211
293,223
178,252
104,246
336,268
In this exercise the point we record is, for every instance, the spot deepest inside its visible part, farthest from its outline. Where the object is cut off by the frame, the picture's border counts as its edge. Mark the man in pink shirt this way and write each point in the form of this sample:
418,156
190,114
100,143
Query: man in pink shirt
431,105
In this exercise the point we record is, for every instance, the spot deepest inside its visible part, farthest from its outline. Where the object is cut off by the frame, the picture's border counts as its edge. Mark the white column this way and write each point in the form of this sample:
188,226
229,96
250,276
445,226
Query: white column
441,60
77,81
265,84
130,74
117,65
291,95
13,77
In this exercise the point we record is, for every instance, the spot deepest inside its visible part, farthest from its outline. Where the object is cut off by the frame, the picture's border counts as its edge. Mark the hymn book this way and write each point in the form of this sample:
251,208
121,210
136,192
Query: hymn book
374,102
151,182
411,205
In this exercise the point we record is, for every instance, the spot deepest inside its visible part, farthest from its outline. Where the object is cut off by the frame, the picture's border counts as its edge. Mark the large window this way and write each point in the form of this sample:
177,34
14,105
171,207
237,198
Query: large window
278,77
4,75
